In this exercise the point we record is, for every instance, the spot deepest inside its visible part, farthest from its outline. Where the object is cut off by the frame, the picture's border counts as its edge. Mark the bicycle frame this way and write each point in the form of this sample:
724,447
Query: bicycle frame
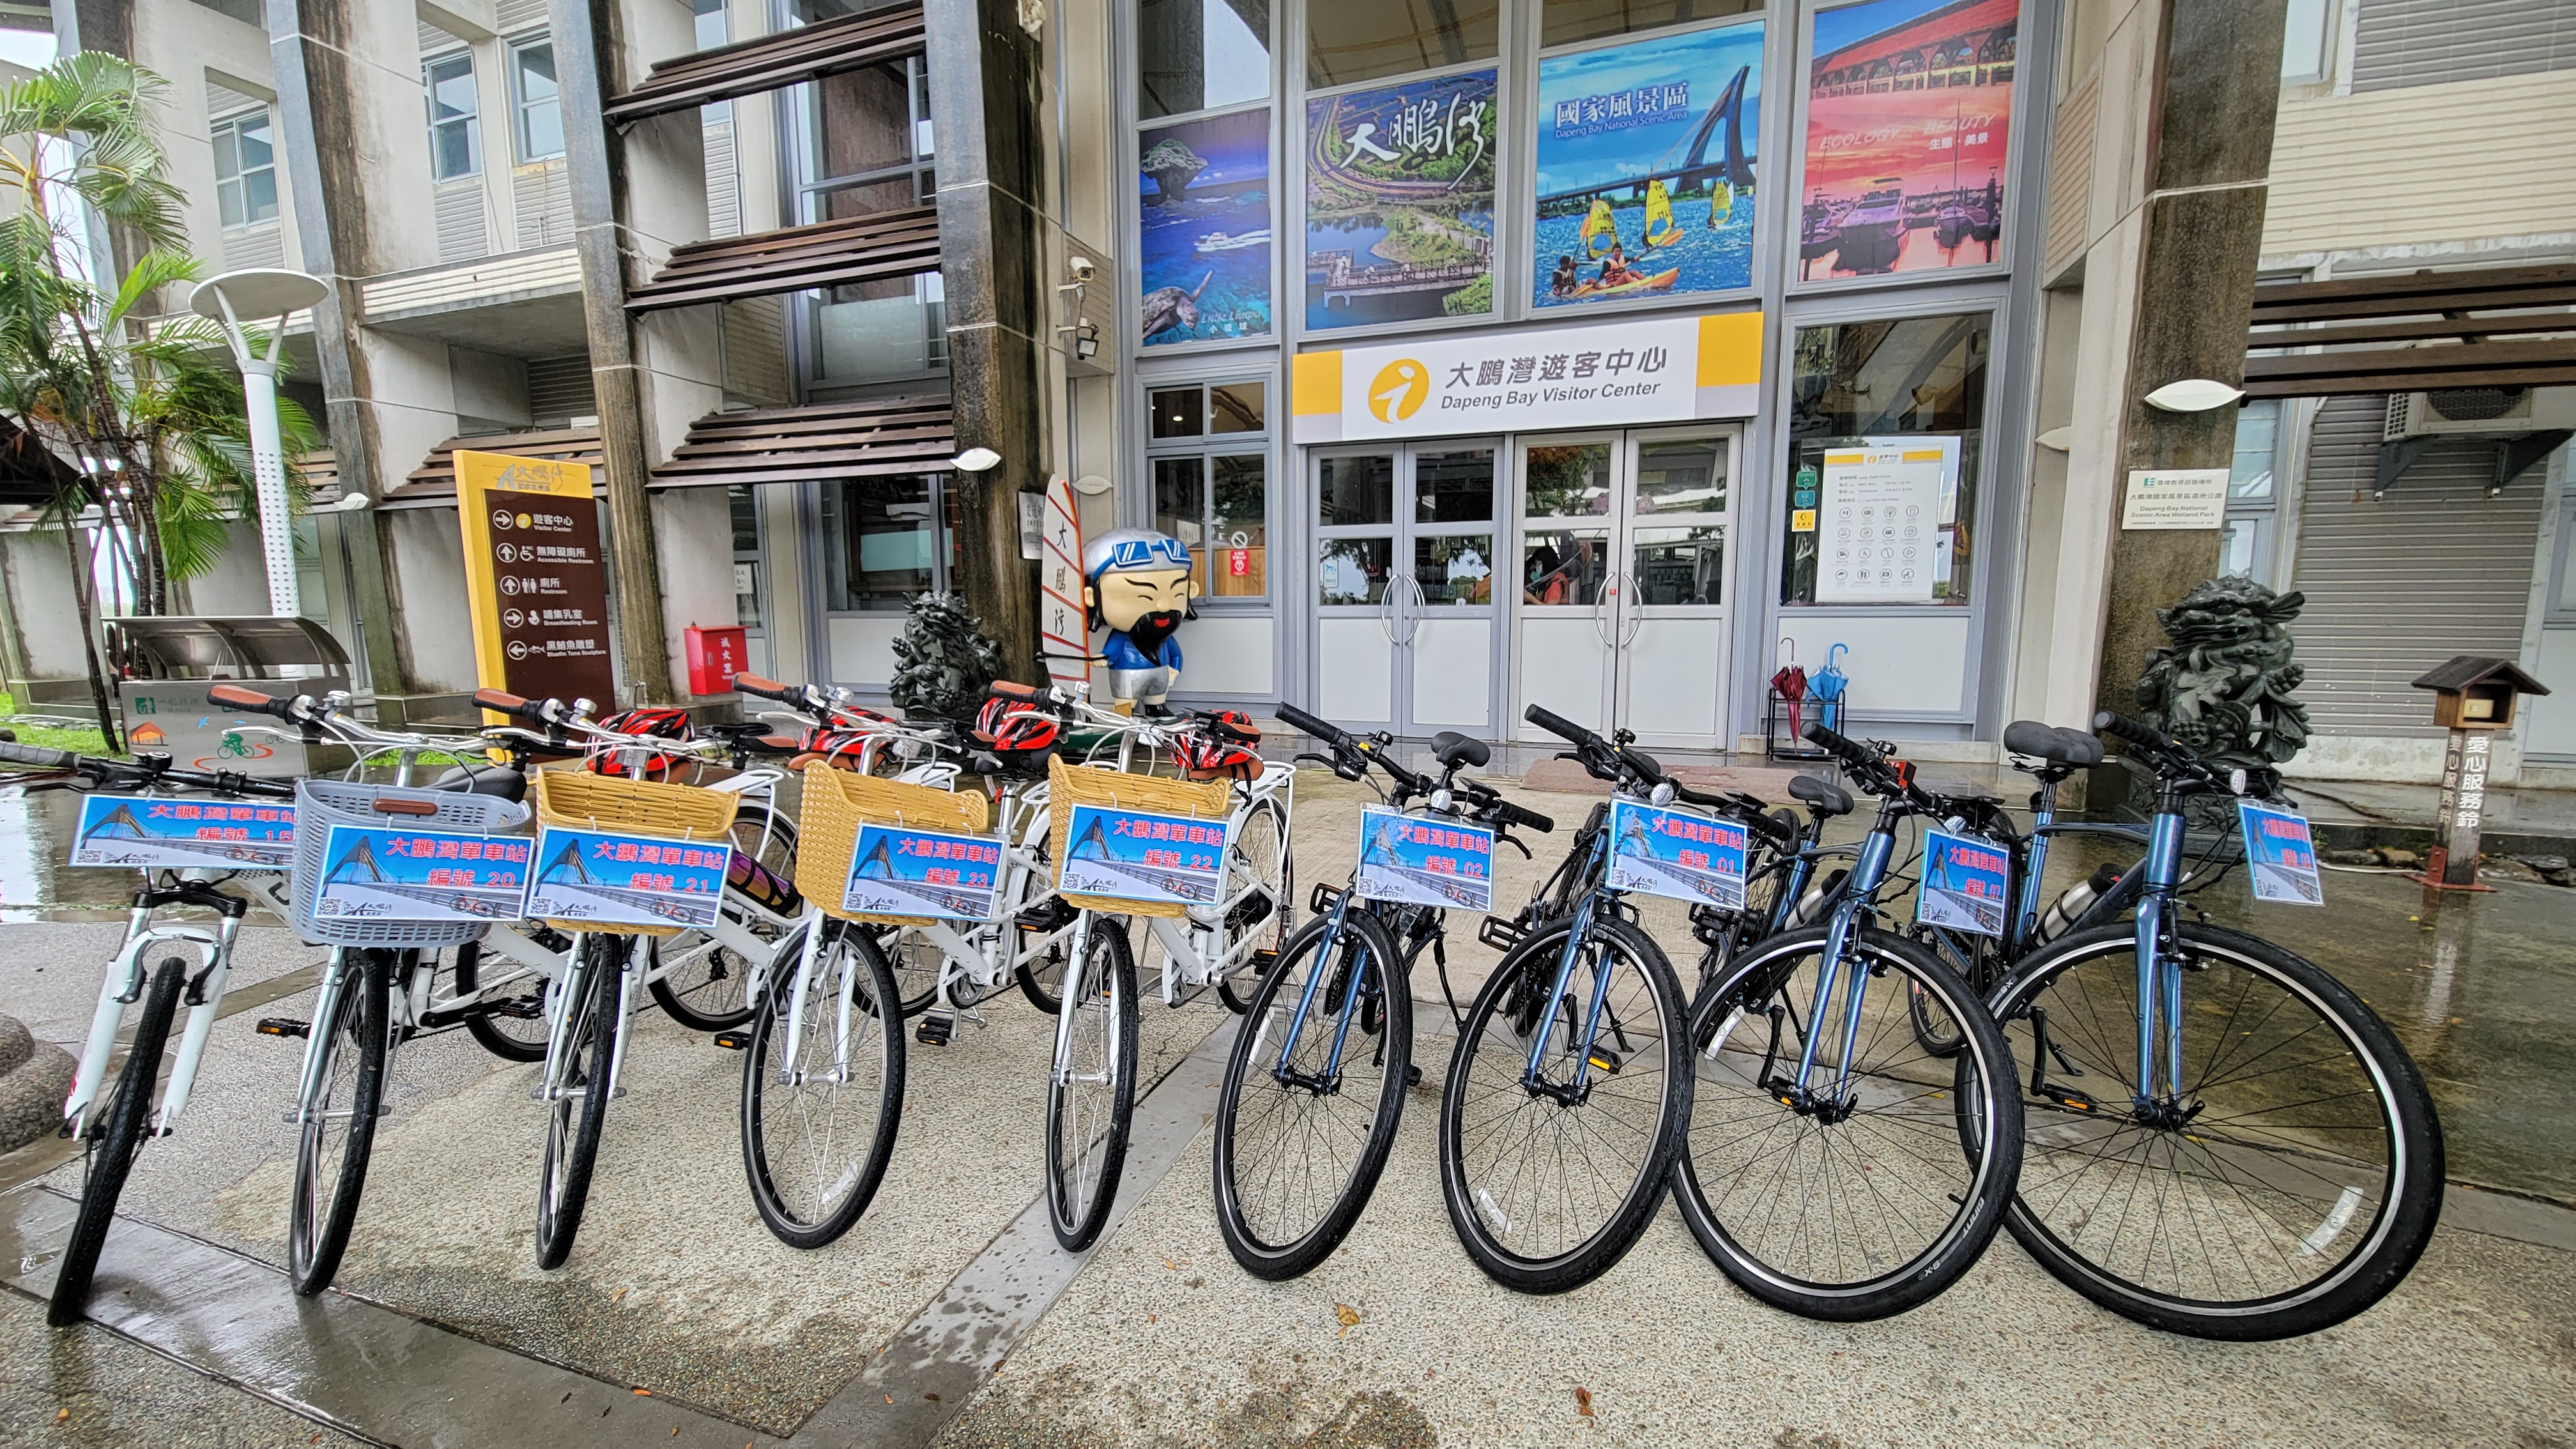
127,976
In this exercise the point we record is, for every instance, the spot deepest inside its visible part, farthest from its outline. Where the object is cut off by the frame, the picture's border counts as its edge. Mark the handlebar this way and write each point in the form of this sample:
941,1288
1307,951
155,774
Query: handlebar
2169,757
767,688
1011,689
144,770
534,711
38,757
233,696
1504,812
1331,734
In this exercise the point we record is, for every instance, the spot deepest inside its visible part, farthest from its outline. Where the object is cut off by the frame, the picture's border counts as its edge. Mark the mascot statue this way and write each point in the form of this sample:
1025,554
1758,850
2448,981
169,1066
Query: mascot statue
1137,584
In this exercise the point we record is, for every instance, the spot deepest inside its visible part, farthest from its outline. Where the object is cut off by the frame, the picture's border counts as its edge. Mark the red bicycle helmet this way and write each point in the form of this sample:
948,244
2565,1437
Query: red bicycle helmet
1221,747
1014,731
661,723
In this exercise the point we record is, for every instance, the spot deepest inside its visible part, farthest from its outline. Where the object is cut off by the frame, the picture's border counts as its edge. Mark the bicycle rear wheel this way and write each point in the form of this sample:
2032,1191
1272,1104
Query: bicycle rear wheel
1091,1091
513,1027
1296,1160
1874,1188
580,1110
2292,1181
1550,1185
115,1139
819,1112
339,1127
1259,856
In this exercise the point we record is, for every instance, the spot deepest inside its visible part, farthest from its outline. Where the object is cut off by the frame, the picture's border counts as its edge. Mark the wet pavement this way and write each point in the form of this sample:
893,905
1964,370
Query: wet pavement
444,1321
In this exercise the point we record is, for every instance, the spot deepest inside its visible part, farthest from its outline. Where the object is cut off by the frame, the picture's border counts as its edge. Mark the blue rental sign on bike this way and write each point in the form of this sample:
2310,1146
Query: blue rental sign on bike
145,831
898,872
1674,853
2280,855
600,878
374,874
1138,855
1966,882
1424,860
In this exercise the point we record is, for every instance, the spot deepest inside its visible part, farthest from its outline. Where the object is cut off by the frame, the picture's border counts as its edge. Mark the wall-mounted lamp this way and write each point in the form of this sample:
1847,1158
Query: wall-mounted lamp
1086,341
975,460
1090,485
353,502
2193,395
2057,440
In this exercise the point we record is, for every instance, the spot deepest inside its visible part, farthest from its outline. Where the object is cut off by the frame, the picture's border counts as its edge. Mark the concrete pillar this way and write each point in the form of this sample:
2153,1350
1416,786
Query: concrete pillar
2180,165
984,87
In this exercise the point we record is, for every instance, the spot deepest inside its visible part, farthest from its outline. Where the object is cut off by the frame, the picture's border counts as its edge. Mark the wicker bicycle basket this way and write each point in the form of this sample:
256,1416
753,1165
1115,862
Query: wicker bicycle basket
1071,785
838,802
579,800
321,804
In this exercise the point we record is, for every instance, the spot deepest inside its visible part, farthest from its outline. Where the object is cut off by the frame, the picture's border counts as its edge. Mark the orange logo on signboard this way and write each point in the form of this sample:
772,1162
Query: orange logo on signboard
1398,390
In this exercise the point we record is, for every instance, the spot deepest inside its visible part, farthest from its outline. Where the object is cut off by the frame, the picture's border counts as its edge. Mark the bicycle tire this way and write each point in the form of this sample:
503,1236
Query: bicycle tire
113,1150
709,993
852,1183
317,1230
573,1124
1275,916
1078,1200
1515,989
2409,1200
1913,1123
500,1040
1278,1251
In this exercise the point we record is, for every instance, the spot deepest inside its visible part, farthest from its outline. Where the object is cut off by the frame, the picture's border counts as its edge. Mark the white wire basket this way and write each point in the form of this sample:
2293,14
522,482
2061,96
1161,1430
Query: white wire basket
321,804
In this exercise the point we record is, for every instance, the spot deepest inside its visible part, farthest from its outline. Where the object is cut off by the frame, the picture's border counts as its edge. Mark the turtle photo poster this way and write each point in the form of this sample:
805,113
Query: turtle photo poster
1909,114
1400,202
1203,228
1645,167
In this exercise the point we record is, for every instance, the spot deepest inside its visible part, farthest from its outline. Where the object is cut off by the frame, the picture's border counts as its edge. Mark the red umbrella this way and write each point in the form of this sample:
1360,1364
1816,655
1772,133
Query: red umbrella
1791,685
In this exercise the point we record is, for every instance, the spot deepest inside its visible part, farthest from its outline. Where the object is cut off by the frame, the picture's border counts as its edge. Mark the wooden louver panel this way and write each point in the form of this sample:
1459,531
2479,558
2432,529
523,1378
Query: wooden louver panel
864,438
772,62
2413,332
870,248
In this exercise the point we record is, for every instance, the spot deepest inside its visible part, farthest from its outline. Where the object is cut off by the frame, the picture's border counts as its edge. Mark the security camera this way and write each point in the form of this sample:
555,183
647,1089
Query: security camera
1080,269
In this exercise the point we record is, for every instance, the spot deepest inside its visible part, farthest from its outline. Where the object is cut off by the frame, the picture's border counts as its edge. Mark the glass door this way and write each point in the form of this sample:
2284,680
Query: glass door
1624,566
1405,565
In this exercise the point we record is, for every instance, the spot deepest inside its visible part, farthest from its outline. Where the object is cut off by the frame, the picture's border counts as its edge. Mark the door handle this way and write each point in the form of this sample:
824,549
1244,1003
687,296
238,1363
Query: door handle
1602,606
1413,612
1629,611
1387,605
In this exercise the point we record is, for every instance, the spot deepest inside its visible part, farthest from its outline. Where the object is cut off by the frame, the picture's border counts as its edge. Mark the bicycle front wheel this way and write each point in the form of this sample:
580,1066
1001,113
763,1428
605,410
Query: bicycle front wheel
1869,1187
1259,862
115,1139
339,1126
1550,1181
1310,1108
579,1109
820,1108
1091,1092
2286,1183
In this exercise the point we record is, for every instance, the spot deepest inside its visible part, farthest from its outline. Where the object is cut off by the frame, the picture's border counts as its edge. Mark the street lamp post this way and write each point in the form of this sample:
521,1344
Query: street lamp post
264,292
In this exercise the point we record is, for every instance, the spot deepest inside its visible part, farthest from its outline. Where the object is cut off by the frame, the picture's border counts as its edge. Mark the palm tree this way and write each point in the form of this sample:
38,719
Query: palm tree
150,414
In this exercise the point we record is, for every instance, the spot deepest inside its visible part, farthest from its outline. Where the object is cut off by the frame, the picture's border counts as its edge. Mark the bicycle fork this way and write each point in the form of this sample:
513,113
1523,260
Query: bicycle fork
126,981
1868,874
1076,992
1532,1077
1329,1081
2160,974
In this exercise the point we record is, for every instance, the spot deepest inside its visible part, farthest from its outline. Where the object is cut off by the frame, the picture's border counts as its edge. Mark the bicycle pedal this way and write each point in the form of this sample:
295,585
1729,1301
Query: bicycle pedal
2072,1101
1412,1075
1604,1059
734,1041
936,1028
1500,934
283,1026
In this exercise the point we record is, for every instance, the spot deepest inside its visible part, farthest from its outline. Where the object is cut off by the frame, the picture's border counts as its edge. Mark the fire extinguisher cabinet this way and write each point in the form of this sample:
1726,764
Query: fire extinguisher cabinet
716,655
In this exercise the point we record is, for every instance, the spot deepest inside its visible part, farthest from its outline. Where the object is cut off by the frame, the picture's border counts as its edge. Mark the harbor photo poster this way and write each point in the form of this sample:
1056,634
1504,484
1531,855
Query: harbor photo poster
1400,202
1645,167
1203,228
1909,110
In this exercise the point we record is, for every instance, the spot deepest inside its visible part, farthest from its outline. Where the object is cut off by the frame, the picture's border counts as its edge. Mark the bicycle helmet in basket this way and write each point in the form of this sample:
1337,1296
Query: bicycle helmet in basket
661,723
1015,732
1220,747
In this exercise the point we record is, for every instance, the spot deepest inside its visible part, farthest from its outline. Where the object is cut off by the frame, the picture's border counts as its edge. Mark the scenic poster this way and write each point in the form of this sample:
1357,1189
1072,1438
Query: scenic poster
1645,167
1425,861
387,873
626,880
1136,855
1965,881
1908,109
1203,228
1400,203
151,831
1673,853
899,872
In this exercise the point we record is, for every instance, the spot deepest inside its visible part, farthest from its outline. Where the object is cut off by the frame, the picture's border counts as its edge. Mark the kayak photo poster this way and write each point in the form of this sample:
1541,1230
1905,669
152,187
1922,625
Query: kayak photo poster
1909,113
1400,203
1203,228
1645,167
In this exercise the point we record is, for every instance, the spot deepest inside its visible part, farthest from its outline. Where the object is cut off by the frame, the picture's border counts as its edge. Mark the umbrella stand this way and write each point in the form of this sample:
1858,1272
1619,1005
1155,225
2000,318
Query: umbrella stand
1787,697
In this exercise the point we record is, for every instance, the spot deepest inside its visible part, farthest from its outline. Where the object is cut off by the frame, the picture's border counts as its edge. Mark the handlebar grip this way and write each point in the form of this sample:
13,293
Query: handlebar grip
1504,812
1561,727
1838,744
234,696
765,688
1322,729
38,756
2131,730
1010,689
504,702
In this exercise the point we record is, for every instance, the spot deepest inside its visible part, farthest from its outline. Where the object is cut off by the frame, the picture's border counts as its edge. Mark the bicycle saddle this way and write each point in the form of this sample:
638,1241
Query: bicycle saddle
1453,749
1826,798
2048,742
497,780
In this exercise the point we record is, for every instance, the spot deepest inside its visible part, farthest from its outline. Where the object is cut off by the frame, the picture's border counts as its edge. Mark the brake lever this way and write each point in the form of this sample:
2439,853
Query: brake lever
1501,837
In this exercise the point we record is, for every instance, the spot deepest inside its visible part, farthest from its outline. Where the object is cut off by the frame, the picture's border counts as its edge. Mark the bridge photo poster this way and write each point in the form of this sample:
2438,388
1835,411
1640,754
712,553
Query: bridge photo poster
1909,115
1645,167
1400,202
1203,228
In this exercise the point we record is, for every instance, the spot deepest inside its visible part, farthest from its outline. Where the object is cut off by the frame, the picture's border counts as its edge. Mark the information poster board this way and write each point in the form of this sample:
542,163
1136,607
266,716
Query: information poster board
380,873
1879,530
152,832
602,878
2175,498
1677,854
1967,883
536,585
1423,860
1139,855
1064,639
2280,855
899,872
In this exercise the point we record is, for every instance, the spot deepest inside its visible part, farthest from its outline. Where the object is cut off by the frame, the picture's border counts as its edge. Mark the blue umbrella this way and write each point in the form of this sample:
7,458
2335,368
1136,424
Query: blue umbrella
1827,687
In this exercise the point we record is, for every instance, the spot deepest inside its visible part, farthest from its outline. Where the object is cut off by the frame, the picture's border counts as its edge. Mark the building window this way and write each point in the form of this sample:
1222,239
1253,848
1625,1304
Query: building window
866,147
887,541
1357,40
1565,22
713,32
538,100
1193,55
1208,450
2253,493
2308,42
455,134
245,170
1886,428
